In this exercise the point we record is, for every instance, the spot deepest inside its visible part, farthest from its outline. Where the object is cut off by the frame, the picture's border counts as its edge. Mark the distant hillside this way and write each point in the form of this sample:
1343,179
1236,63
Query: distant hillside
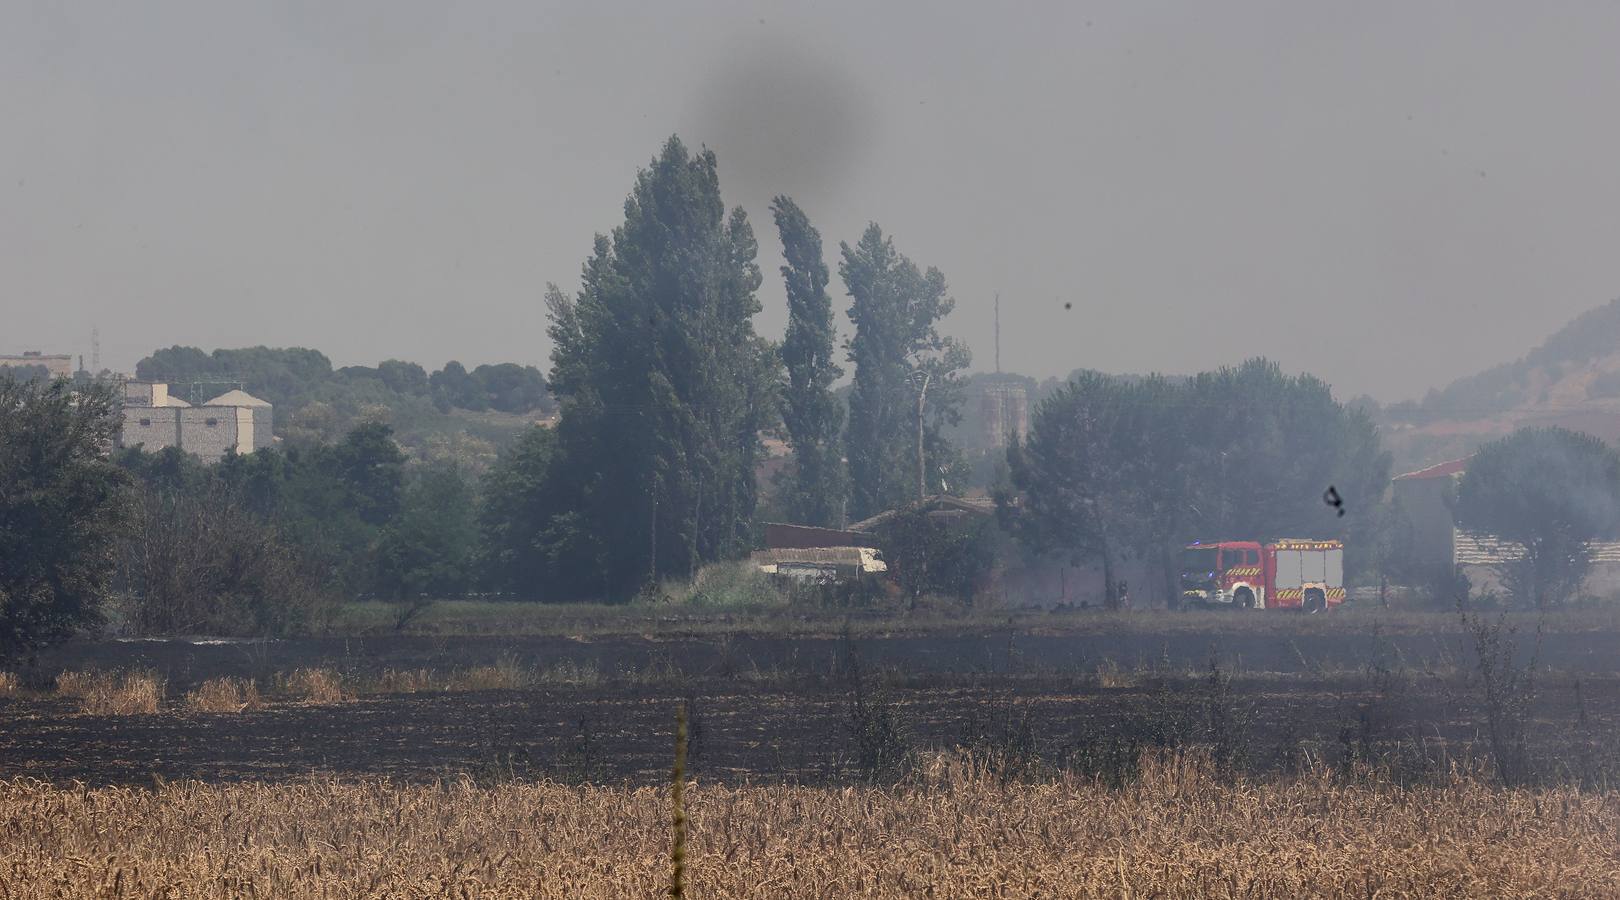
1571,380
452,412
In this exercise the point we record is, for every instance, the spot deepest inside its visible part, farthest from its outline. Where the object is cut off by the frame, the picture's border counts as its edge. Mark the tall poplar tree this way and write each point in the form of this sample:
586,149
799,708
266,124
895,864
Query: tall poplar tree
664,385
896,349
815,489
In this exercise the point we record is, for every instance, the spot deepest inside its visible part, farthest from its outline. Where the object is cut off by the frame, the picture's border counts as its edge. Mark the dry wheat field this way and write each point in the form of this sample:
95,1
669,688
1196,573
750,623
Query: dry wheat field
1179,831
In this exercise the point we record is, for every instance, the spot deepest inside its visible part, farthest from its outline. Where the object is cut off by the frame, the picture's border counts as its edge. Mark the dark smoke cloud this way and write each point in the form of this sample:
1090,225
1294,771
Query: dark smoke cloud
782,119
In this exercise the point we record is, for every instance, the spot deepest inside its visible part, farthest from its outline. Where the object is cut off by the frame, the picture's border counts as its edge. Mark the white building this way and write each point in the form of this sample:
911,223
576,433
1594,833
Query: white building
235,420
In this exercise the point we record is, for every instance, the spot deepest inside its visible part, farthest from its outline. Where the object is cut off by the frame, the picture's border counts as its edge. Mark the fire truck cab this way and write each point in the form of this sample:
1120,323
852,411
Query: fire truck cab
1287,574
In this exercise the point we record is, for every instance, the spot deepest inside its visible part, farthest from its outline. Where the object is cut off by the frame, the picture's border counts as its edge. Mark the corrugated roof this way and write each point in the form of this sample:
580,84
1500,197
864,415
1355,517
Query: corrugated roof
982,506
236,398
1473,549
864,558
782,535
849,556
1439,470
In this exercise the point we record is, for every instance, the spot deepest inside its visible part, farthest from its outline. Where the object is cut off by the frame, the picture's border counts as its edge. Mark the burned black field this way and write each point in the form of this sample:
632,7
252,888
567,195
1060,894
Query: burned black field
827,708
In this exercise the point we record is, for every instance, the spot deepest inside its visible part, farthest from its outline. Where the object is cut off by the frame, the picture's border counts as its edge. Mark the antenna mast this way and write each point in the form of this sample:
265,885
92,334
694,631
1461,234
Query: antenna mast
998,332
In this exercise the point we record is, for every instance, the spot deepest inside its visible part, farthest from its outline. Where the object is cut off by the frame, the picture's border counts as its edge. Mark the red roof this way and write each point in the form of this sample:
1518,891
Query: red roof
1440,470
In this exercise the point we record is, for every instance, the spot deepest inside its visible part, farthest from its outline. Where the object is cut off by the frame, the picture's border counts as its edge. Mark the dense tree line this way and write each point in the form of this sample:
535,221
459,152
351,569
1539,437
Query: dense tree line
664,389
291,376
1117,469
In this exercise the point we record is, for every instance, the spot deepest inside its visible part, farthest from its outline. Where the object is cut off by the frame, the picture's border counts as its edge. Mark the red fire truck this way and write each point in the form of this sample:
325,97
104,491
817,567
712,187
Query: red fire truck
1285,574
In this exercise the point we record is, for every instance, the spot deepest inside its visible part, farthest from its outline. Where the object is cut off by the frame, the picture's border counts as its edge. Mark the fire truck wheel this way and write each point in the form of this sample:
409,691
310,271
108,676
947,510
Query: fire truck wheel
1243,599
1314,601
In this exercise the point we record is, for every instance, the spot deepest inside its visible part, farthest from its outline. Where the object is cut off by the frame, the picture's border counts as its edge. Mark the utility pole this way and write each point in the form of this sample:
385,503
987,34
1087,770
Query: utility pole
998,332
920,380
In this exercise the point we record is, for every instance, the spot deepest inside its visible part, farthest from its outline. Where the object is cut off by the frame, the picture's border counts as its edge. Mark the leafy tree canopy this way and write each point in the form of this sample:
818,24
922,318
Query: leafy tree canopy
62,505
1551,491
898,355
815,486
664,385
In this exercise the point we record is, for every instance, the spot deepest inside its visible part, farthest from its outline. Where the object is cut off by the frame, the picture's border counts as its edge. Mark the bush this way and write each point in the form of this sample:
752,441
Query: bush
504,675
224,695
197,562
317,686
111,694
727,585
926,556
403,681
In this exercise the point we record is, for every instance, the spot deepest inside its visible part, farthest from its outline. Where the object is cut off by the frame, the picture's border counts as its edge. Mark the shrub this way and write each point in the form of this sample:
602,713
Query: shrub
504,675
319,686
403,681
727,585
111,694
199,562
224,695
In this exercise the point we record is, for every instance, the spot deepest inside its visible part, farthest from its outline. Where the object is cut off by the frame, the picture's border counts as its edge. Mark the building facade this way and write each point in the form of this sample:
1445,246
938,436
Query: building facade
233,421
60,365
1004,410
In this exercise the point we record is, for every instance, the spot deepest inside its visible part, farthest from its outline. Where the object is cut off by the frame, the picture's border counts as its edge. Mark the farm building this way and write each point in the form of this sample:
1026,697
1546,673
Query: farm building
821,565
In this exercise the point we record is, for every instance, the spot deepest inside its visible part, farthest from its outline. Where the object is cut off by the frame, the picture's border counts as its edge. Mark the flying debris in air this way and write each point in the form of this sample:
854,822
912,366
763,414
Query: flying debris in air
1331,498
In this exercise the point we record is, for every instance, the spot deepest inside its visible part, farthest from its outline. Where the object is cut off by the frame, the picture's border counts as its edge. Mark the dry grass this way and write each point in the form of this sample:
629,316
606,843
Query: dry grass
403,681
112,693
506,674
9,684
316,686
1178,833
1109,675
224,695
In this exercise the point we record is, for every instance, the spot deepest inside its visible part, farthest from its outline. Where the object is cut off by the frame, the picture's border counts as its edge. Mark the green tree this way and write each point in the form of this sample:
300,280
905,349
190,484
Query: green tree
428,549
372,470
664,385
1551,491
1265,446
535,541
815,486
62,504
454,386
1120,468
511,388
898,355
1072,474
927,555
403,377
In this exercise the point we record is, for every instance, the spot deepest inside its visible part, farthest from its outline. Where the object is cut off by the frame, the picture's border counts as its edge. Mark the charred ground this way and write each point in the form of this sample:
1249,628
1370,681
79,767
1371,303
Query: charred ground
1404,695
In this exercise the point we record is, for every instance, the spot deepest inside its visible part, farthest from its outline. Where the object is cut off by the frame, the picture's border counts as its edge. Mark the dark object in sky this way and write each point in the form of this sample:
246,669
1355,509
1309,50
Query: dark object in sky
1331,498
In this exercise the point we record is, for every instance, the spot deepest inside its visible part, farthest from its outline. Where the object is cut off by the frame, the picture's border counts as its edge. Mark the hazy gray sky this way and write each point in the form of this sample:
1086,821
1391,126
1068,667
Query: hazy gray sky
1389,195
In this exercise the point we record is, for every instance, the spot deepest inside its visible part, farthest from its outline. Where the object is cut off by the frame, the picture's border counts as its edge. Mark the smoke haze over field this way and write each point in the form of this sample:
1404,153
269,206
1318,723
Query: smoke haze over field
1351,189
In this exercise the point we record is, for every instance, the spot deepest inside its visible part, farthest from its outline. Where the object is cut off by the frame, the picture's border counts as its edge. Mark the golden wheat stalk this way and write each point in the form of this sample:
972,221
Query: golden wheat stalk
677,855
